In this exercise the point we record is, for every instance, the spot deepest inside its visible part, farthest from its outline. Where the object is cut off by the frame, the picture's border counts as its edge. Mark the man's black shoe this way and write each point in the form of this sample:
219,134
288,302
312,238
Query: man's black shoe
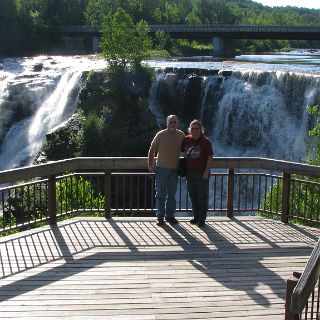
201,224
172,220
194,221
160,222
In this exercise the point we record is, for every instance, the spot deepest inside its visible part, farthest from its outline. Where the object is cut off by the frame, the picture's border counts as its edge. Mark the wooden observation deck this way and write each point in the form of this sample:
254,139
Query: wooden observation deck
129,268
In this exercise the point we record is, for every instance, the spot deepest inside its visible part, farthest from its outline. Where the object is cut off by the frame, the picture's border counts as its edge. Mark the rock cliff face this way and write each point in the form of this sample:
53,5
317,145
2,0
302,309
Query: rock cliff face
112,119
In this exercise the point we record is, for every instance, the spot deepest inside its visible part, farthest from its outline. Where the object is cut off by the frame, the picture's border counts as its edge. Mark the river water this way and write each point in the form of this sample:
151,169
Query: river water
299,61
260,110
257,111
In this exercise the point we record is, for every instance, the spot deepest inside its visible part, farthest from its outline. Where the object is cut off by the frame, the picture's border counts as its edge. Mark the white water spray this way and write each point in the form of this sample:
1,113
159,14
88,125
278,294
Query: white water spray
37,102
247,113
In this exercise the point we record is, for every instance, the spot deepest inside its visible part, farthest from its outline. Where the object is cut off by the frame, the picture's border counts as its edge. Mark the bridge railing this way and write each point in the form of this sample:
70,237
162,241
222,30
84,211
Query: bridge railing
122,186
209,28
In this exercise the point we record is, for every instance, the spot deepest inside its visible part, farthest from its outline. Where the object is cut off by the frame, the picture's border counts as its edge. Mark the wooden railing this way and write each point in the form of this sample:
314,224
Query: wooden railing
282,189
123,186
303,296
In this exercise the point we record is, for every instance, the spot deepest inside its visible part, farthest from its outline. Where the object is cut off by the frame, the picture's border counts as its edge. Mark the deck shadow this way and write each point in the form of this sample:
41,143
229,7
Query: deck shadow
203,249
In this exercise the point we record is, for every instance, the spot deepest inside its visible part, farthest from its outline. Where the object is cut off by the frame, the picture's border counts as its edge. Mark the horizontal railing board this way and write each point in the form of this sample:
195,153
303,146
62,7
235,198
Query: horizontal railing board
133,163
41,170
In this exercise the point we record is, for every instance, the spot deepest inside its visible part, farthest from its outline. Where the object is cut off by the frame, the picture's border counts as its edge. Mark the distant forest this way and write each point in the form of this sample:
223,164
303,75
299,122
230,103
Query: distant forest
24,23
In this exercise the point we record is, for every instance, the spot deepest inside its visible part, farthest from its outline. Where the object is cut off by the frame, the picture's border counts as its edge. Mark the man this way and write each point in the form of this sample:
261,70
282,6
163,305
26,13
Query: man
167,144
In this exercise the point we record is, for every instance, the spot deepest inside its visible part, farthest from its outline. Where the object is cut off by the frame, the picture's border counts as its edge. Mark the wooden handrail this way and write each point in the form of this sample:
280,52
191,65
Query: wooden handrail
307,282
108,163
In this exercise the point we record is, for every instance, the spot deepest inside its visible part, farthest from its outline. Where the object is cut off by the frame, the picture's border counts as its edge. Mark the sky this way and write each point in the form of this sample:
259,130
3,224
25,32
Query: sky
313,4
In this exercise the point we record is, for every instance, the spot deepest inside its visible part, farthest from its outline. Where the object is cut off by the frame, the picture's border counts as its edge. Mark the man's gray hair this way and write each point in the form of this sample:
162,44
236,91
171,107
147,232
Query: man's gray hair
172,116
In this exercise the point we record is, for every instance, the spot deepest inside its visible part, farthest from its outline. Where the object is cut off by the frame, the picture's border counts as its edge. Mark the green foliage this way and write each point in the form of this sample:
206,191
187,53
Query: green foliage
8,27
304,191
187,47
304,201
313,144
158,54
115,113
124,44
29,204
23,205
28,20
162,41
93,136
62,145
95,12
77,192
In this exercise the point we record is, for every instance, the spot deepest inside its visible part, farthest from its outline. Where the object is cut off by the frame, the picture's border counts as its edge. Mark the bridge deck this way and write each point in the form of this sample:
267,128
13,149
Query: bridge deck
128,268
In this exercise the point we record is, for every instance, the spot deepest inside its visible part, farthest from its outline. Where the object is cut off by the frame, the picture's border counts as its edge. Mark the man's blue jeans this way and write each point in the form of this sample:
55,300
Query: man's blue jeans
166,188
199,195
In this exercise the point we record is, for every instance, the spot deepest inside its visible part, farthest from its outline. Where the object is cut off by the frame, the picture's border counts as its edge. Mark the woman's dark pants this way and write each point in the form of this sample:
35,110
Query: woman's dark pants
199,195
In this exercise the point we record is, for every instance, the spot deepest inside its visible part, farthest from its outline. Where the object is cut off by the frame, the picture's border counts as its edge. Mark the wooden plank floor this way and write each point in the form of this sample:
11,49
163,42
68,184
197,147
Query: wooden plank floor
128,268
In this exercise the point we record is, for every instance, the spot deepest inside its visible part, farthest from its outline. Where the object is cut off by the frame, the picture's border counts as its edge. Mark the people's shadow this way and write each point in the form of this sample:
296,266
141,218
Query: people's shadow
226,251
238,261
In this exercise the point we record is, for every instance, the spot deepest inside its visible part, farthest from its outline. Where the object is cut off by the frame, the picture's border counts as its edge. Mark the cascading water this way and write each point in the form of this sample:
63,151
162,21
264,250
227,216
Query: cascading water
245,113
36,95
249,114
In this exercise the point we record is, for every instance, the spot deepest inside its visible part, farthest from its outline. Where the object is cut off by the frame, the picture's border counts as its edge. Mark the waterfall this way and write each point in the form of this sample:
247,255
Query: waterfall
245,113
36,95
23,140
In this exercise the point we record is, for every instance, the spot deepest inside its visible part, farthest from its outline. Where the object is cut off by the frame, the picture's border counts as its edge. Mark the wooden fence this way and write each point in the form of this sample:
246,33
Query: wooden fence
286,190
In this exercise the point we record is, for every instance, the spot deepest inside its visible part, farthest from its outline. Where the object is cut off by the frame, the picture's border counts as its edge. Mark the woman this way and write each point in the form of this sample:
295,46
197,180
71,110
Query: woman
198,151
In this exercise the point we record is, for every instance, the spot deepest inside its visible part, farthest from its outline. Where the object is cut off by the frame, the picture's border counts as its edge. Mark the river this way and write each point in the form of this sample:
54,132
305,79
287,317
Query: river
257,110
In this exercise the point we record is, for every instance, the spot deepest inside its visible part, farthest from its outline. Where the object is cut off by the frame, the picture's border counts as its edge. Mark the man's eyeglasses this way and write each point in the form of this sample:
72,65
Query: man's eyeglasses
173,121
195,128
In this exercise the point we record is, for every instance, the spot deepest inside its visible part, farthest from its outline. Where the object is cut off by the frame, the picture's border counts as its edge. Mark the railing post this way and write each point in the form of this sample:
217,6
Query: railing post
230,193
52,200
291,283
285,197
107,193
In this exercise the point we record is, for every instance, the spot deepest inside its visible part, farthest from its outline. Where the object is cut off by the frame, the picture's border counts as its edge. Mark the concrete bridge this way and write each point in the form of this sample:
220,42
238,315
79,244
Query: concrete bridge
218,33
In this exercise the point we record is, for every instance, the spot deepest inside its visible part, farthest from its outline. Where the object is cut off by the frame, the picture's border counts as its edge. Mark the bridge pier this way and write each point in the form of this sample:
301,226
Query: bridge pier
95,44
83,44
218,47
223,47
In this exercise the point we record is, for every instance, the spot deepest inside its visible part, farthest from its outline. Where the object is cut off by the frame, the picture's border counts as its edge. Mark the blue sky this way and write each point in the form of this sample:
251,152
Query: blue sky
314,4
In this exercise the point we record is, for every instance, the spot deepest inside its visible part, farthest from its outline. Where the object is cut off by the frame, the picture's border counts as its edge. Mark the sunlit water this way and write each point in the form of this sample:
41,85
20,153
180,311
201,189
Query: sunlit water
47,96
46,90
299,61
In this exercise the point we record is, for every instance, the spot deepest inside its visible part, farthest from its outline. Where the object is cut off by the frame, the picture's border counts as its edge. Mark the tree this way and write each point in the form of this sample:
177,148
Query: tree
313,144
95,12
193,16
92,136
171,13
123,43
8,26
163,41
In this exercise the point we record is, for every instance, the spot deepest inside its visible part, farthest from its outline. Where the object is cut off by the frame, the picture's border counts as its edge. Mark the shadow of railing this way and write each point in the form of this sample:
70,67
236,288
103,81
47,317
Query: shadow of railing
87,243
